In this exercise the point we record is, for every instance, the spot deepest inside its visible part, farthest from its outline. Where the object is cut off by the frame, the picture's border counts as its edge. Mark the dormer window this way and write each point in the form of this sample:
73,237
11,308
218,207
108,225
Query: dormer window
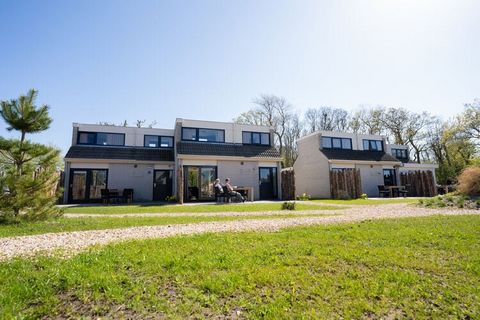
400,154
372,145
203,135
101,138
259,138
336,143
158,141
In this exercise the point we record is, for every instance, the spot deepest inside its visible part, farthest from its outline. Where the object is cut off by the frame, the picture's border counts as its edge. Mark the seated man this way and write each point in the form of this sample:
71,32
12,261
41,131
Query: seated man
232,192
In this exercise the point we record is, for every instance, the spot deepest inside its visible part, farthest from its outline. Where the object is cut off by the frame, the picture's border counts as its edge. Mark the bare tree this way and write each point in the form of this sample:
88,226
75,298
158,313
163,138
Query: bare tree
326,118
293,132
367,121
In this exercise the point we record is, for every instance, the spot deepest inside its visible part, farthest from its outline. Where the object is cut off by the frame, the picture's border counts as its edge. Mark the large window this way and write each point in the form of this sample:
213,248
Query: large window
101,138
262,138
401,154
372,145
203,135
158,141
336,143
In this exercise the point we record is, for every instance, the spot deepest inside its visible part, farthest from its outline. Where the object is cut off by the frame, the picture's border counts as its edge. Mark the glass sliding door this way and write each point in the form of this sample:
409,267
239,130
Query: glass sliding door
98,181
199,183
86,185
268,183
78,186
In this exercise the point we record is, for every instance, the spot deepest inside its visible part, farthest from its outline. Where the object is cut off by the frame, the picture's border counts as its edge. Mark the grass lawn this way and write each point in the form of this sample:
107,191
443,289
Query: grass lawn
245,207
408,268
99,223
366,201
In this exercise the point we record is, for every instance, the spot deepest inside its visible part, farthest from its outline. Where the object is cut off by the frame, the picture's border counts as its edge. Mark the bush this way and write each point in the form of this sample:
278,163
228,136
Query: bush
171,198
450,200
469,181
288,205
304,197
364,196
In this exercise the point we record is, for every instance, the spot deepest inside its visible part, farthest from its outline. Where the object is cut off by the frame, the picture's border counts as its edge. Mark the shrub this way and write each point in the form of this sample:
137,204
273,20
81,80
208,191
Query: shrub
304,197
364,196
171,198
450,200
288,205
469,181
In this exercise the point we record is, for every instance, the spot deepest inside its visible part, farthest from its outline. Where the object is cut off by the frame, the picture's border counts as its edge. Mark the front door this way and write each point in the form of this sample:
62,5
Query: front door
389,178
86,185
162,184
268,183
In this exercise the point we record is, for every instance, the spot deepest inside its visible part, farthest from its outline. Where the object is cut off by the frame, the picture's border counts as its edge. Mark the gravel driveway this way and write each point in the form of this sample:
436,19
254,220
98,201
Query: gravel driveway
72,242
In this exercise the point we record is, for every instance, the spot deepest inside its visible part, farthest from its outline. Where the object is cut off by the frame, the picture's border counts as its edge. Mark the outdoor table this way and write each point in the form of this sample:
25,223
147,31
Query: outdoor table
248,192
393,190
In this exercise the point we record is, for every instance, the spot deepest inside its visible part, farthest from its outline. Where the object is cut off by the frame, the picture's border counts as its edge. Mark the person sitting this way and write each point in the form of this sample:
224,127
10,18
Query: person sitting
232,192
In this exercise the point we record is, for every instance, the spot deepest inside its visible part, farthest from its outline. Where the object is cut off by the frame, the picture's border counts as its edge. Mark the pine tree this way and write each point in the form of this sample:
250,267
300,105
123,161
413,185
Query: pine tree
28,171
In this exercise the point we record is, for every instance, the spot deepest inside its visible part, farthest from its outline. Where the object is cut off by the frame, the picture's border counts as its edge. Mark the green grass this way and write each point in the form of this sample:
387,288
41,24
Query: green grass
247,207
99,223
366,201
422,268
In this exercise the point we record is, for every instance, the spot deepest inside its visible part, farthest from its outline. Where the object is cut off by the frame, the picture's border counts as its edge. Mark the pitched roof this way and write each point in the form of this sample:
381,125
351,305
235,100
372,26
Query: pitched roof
120,153
358,155
227,149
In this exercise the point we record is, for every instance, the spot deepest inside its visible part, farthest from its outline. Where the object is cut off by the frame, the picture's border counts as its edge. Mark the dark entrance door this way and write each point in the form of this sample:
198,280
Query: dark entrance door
268,183
162,184
86,185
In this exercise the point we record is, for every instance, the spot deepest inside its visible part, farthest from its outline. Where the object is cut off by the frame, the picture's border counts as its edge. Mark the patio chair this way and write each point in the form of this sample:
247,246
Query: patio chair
105,196
227,195
402,191
128,195
220,195
382,191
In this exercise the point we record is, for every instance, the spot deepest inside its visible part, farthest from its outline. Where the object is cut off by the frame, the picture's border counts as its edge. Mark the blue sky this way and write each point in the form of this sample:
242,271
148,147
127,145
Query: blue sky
157,60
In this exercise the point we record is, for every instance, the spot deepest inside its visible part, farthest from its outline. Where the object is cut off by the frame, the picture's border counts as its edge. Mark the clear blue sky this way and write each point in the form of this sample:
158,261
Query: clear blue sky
157,60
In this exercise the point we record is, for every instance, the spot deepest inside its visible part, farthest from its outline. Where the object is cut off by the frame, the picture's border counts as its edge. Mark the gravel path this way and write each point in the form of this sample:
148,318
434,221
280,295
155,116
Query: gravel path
204,214
72,242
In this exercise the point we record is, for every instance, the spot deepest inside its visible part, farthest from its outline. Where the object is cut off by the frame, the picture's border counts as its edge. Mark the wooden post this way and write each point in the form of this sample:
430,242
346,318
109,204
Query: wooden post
180,184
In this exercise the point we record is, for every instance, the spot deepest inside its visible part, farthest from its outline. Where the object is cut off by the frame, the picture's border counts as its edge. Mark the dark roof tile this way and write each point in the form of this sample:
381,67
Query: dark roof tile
120,153
227,149
358,155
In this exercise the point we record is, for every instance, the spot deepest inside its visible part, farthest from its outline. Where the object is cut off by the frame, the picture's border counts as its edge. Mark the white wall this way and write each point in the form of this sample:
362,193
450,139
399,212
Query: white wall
245,175
138,177
133,136
372,177
312,170
357,139
233,131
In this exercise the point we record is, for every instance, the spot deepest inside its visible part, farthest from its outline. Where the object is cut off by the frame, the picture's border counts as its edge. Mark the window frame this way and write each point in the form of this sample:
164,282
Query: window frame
341,143
197,130
395,153
369,145
251,133
159,138
96,139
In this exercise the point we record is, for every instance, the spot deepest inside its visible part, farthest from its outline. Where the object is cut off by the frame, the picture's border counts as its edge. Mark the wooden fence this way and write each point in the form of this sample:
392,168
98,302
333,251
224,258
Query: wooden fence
345,184
419,183
180,184
288,184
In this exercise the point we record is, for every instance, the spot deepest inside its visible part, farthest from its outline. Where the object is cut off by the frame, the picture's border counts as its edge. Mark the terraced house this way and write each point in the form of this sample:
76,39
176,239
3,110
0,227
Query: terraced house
381,166
184,161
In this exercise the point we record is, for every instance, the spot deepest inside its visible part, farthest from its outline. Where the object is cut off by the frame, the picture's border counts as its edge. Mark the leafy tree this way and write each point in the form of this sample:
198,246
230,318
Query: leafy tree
29,177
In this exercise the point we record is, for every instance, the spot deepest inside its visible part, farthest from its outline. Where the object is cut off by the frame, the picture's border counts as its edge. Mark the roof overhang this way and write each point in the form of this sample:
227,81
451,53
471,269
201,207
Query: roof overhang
354,162
88,160
231,158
